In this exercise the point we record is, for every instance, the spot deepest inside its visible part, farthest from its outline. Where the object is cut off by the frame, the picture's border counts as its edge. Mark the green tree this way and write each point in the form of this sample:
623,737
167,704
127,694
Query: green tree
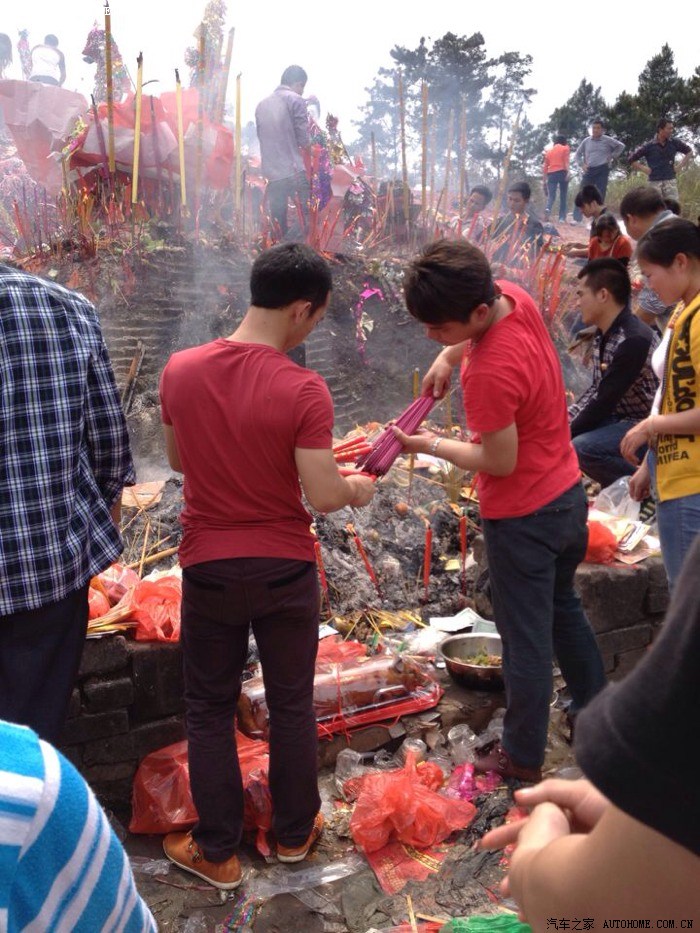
508,98
574,117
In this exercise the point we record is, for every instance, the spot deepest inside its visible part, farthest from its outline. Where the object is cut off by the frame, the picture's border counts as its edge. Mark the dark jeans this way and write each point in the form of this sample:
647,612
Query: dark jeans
557,180
532,562
278,194
40,652
597,176
220,600
599,452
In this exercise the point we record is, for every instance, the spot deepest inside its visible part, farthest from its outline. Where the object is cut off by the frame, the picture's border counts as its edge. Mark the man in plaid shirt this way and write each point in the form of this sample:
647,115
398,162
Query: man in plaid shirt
64,459
623,384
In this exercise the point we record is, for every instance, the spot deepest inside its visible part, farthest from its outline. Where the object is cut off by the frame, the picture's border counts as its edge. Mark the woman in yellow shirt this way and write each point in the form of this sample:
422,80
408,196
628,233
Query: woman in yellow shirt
669,257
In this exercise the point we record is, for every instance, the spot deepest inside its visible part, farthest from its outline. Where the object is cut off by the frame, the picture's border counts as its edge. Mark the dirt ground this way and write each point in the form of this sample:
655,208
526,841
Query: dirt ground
466,883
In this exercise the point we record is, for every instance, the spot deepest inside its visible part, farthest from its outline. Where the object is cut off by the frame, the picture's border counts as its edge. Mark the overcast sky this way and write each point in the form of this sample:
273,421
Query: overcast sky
342,45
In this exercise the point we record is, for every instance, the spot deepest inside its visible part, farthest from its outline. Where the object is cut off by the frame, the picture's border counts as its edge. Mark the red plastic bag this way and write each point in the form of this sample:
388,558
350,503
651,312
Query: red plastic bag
334,650
155,605
397,805
161,799
98,604
602,544
117,580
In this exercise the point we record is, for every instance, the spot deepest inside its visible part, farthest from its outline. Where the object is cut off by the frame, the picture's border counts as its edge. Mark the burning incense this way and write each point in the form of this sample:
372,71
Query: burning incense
180,138
427,558
137,132
237,194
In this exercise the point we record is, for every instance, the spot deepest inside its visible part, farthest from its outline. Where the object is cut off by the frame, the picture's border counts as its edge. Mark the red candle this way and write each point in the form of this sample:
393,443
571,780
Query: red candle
427,557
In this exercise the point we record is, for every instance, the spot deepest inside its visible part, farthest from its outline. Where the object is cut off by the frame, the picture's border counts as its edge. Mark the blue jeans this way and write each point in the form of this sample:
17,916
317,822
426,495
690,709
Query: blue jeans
538,613
598,176
678,521
557,180
599,452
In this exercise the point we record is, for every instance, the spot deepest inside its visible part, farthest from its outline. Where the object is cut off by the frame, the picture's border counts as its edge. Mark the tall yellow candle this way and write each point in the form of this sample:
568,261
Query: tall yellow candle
137,131
180,138
237,194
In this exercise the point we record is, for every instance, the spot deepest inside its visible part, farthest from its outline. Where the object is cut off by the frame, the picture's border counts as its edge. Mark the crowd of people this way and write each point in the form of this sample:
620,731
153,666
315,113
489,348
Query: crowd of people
251,432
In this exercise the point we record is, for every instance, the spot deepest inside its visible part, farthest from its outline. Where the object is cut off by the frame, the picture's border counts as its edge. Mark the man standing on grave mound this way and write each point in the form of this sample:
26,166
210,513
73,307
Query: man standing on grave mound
246,425
533,506
282,123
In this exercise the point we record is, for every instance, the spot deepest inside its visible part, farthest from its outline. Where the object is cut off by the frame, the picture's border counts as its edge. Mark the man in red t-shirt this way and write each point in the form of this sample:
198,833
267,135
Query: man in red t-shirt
245,425
533,506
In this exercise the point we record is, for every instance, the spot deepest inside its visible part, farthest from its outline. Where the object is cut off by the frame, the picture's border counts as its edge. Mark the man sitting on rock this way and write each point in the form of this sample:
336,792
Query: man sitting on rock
623,384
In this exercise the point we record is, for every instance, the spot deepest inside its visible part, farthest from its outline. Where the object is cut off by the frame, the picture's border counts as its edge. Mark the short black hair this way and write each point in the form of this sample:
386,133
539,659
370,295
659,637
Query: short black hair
521,187
294,74
485,192
609,274
447,281
643,201
663,123
588,195
673,205
598,120
290,272
559,140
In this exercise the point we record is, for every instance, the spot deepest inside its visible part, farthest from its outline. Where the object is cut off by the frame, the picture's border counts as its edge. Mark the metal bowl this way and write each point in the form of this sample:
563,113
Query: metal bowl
458,648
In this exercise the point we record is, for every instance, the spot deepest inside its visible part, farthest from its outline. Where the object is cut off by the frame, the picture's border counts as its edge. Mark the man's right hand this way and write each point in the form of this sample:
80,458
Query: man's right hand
363,490
582,803
436,381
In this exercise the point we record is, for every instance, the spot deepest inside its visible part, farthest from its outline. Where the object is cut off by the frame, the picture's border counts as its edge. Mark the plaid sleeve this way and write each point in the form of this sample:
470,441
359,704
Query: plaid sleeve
105,427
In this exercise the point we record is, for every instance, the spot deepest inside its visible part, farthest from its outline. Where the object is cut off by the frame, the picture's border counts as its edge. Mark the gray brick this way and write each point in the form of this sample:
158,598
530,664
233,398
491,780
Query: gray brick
627,661
158,683
103,655
75,704
613,597
74,754
624,639
98,774
88,728
110,750
658,596
103,695
154,735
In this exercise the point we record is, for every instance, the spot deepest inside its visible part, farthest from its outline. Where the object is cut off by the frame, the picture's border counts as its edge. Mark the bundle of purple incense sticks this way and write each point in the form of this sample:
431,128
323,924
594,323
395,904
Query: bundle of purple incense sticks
386,448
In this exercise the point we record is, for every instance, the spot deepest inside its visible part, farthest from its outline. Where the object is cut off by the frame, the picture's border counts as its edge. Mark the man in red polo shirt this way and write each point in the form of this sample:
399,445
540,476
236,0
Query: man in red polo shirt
533,506
245,425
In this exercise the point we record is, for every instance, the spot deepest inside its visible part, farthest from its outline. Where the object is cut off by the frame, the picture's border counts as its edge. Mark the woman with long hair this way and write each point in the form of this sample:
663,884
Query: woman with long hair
669,257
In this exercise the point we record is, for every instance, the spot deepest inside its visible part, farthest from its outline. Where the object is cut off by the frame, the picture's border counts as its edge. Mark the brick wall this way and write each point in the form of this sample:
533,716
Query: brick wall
129,697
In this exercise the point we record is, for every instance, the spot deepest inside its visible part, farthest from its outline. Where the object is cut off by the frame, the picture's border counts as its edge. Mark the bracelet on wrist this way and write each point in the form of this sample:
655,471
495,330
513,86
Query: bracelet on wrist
432,449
